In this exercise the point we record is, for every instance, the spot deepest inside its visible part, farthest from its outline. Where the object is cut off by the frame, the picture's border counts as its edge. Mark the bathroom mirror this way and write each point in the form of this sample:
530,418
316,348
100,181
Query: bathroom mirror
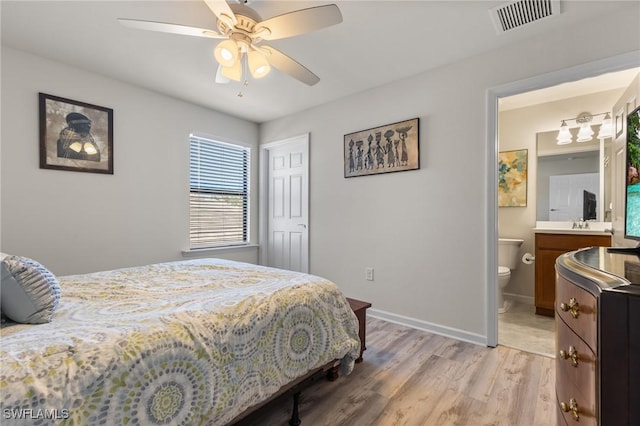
567,173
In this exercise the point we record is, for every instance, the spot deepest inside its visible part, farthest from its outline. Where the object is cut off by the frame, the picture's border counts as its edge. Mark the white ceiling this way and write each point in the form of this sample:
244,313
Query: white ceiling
377,43
601,83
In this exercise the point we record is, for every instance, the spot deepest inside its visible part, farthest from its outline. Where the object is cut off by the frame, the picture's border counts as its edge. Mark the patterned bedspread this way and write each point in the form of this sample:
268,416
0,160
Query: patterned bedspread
185,343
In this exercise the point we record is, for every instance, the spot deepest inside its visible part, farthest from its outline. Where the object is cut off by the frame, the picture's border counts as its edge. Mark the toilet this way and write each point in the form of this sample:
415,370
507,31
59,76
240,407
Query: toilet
508,260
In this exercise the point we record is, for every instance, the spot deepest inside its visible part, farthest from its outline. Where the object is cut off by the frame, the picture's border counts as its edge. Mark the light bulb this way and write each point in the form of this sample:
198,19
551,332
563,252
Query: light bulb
606,128
258,64
227,53
564,135
585,134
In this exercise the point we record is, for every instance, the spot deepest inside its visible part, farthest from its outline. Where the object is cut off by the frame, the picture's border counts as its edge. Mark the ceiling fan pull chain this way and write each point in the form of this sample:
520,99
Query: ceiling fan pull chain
244,73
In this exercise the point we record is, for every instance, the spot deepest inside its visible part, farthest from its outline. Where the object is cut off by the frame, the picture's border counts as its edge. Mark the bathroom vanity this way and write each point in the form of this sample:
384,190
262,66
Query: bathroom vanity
551,243
598,338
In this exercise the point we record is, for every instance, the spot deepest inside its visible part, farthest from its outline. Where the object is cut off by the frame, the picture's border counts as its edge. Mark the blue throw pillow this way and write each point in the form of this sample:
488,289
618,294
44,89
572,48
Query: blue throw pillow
29,292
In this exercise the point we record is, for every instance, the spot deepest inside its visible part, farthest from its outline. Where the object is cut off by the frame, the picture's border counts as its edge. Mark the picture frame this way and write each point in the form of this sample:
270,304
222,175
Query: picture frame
512,178
75,136
389,148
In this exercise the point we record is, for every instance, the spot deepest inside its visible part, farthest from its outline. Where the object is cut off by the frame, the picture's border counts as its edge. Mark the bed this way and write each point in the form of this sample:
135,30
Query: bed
187,343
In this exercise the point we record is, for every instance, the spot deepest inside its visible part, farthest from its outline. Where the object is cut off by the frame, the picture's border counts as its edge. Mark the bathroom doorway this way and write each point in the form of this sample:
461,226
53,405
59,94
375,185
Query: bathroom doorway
525,92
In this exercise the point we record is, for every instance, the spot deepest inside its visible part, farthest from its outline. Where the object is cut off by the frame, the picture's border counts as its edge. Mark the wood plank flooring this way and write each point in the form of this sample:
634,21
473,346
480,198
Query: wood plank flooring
412,377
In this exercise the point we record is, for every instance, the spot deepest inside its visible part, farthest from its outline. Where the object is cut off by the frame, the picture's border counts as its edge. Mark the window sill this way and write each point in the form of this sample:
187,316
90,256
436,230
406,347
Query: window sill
217,250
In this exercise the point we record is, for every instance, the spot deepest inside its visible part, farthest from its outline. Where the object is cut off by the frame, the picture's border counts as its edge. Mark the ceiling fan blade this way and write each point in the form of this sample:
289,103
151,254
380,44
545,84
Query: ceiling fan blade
289,66
169,28
221,9
221,79
300,22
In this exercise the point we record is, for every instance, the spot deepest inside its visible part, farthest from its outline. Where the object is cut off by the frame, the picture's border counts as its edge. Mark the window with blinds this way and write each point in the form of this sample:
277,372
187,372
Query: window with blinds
219,193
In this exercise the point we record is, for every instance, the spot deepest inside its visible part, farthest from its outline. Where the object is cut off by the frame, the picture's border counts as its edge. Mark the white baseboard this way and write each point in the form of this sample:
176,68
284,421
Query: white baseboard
454,333
528,300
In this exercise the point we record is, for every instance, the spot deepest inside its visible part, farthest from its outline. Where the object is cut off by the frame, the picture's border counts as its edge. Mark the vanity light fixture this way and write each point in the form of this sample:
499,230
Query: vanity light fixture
606,128
585,134
564,135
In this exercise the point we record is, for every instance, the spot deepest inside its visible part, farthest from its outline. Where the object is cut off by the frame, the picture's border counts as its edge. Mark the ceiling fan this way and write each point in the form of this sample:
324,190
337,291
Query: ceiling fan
243,31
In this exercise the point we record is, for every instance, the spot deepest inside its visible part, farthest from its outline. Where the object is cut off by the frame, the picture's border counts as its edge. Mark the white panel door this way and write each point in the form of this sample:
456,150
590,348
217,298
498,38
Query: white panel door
627,102
288,211
566,196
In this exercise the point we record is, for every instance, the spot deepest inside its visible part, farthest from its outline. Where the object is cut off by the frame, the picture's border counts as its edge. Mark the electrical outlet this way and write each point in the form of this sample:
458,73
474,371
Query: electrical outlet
368,272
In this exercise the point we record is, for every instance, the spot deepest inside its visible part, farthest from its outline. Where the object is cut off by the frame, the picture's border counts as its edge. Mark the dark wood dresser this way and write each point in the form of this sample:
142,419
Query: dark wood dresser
598,338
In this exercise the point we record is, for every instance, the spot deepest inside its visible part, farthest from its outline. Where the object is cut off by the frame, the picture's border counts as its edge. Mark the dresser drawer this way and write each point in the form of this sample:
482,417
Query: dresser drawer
560,421
577,308
573,397
578,365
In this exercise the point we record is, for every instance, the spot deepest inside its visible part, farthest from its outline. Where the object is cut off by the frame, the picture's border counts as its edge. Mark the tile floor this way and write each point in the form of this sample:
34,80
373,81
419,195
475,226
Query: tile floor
520,328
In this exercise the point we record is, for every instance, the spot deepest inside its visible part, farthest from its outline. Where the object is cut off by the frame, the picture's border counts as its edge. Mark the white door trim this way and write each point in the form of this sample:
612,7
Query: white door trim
591,69
263,199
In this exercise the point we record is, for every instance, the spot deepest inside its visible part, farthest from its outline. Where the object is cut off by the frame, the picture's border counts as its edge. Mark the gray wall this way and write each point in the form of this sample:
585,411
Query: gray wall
80,222
425,231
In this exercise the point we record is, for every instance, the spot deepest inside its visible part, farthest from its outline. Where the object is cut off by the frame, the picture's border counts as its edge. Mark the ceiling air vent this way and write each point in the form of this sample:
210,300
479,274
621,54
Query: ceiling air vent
521,12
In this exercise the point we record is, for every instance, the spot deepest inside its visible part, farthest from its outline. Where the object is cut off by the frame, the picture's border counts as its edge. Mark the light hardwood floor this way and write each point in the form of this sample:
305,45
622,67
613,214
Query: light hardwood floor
412,377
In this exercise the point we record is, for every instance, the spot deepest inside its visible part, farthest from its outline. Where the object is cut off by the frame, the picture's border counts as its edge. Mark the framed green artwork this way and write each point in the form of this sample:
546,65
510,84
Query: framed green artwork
512,178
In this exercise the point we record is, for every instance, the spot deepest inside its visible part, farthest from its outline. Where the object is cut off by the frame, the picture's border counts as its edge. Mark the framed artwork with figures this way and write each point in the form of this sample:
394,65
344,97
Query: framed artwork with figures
390,148
75,136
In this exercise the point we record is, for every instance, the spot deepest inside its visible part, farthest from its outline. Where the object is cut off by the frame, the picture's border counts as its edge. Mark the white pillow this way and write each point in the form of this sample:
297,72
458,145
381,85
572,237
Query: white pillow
29,292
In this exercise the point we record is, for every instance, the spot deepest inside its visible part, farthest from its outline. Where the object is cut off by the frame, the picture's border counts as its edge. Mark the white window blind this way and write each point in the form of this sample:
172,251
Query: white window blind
219,193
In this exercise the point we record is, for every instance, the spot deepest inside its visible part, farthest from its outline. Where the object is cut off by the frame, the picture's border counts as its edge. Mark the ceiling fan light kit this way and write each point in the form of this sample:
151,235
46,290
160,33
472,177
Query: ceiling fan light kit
221,78
243,31
258,64
233,72
227,53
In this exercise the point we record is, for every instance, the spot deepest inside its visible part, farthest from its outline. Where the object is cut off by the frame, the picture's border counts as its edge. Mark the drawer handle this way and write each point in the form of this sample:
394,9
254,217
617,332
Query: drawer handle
573,307
571,354
573,407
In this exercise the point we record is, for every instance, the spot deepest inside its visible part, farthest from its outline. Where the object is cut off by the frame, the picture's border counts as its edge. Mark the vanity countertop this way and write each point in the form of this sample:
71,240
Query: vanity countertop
595,228
571,231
